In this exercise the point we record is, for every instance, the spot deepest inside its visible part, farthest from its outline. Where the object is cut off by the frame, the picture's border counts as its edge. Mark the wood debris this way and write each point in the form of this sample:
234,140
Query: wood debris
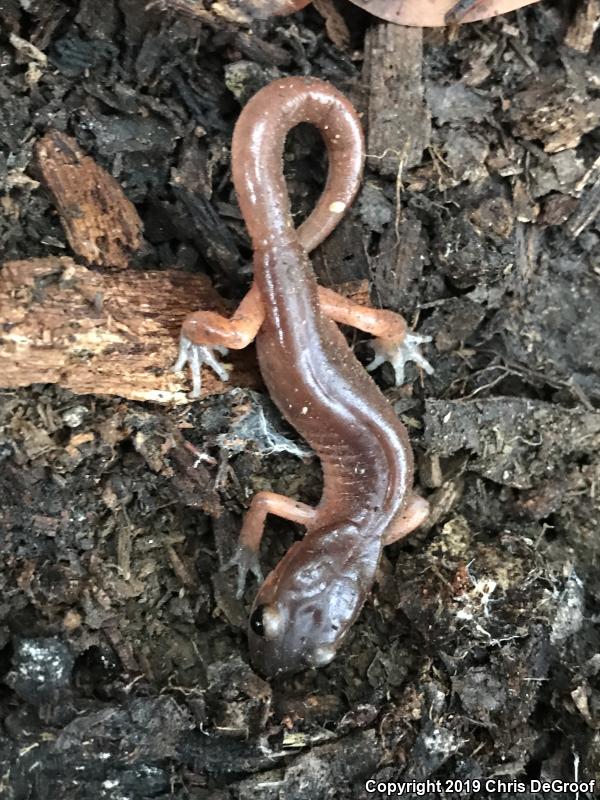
111,333
101,224
580,33
399,124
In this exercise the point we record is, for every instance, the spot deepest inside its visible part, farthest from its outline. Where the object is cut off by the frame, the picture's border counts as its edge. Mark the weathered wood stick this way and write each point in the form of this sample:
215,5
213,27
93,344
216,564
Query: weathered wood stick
102,333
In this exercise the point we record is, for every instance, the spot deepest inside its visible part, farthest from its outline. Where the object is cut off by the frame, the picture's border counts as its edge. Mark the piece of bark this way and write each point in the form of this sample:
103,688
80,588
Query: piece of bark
399,122
580,33
113,333
101,224
554,112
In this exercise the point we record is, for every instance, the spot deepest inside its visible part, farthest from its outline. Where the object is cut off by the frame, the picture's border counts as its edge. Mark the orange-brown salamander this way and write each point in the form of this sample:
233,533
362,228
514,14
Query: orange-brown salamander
306,605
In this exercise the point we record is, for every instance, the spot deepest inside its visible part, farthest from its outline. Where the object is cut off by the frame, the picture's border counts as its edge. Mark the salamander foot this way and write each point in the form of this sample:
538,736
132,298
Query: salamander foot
196,355
246,560
400,354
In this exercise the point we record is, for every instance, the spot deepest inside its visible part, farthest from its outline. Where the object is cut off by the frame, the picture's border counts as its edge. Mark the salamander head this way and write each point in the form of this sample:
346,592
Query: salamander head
302,612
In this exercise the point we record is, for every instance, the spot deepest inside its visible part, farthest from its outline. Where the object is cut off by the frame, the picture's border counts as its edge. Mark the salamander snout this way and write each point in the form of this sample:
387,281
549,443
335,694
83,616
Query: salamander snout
300,615
281,645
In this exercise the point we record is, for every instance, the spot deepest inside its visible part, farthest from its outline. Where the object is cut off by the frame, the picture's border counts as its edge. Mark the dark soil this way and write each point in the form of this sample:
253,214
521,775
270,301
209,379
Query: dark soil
123,664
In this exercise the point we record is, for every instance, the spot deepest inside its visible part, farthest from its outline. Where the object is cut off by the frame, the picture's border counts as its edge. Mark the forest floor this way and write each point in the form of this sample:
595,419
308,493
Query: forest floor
124,669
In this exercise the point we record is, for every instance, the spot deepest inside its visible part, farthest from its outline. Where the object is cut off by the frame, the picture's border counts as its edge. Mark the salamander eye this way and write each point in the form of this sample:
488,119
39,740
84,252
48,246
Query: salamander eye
266,621
256,621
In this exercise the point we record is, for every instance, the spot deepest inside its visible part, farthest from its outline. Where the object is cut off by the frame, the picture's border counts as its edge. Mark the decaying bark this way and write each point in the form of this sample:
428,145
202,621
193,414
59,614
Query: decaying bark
399,124
101,224
112,333
399,132
580,34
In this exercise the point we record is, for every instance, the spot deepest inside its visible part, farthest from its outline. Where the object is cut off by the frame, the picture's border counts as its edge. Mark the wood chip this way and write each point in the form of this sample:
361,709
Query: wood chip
113,334
399,123
580,33
101,224
554,113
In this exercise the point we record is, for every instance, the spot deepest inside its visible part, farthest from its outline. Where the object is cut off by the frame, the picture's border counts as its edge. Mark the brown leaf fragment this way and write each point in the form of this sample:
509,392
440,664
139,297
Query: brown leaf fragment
434,13
557,209
101,224
336,28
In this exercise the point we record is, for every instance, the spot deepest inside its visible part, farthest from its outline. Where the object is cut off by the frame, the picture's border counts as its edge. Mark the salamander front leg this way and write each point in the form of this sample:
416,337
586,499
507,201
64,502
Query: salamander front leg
246,558
392,342
196,355
205,333
399,354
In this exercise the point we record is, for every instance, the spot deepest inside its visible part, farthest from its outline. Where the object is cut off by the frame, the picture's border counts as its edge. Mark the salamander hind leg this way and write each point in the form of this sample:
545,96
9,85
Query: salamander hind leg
393,342
205,333
246,557
414,514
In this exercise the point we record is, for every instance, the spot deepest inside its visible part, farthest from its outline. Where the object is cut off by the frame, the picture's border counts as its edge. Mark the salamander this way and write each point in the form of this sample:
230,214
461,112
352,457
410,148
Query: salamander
306,605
